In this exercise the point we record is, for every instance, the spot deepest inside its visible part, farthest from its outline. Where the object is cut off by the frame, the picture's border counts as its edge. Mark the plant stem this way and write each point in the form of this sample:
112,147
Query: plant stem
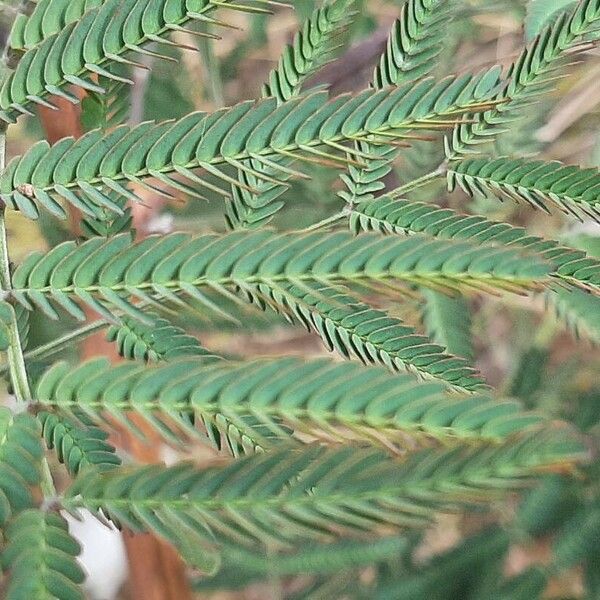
420,182
328,221
212,72
59,343
16,362
47,483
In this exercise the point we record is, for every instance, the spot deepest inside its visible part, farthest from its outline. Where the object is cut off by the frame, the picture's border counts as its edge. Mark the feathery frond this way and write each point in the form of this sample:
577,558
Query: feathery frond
477,557
579,311
40,557
256,199
389,215
282,395
250,130
283,497
101,273
20,459
325,558
531,74
573,190
155,342
77,446
240,567
311,49
89,42
415,41
353,328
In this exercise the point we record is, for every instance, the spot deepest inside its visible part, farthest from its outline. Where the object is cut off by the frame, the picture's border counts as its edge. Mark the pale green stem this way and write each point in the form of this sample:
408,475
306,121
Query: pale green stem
47,483
420,182
16,362
62,342
328,221
212,71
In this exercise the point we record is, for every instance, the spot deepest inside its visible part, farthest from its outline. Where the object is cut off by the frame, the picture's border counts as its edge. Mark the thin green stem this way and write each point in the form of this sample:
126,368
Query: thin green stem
420,182
60,343
212,72
47,483
329,220
16,362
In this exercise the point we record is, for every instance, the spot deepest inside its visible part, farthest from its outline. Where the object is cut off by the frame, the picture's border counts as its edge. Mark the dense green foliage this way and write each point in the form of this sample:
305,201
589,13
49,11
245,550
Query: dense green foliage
333,465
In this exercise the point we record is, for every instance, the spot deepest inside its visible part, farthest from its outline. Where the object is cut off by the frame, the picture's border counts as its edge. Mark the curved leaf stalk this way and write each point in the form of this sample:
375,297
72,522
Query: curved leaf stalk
16,362
353,328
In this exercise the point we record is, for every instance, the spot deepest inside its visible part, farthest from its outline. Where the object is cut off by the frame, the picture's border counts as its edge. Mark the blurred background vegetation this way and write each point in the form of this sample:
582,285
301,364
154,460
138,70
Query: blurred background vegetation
548,545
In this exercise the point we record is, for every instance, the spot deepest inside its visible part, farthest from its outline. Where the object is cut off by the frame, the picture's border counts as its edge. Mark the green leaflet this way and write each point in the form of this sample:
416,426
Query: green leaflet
104,273
579,311
47,18
78,170
77,446
40,557
529,76
319,398
20,459
6,317
540,12
572,189
155,342
389,215
263,499
88,42
448,322
353,328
